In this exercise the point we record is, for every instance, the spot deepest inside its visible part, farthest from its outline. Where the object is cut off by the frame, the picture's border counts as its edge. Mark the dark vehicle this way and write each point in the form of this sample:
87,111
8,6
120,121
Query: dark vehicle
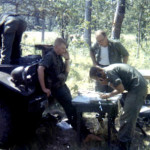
21,101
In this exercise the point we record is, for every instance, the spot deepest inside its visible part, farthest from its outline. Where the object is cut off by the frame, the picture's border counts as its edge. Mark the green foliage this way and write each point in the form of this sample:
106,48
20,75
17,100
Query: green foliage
129,41
132,17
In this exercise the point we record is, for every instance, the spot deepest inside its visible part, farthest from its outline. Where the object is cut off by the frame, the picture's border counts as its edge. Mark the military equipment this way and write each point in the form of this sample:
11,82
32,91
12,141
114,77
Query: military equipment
22,101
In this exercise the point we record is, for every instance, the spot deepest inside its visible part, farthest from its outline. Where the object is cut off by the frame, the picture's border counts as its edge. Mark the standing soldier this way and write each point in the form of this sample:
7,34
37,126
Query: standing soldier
12,27
105,52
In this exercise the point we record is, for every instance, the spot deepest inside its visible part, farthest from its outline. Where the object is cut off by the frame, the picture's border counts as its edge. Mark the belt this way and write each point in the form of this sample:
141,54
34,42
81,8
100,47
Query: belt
102,65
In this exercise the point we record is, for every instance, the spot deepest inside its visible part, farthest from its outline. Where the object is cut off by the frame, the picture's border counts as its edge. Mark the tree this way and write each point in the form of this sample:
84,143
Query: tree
137,22
118,19
87,32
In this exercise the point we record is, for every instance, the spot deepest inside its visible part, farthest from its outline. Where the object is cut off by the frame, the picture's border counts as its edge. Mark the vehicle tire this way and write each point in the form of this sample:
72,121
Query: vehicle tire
5,126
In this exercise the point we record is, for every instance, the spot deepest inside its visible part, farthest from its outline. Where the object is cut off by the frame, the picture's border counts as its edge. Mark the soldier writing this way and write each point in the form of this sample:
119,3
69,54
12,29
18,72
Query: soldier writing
123,77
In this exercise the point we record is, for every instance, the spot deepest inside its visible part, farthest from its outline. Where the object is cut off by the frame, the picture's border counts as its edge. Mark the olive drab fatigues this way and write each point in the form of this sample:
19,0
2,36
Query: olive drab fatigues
116,53
55,78
55,75
12,27
136,86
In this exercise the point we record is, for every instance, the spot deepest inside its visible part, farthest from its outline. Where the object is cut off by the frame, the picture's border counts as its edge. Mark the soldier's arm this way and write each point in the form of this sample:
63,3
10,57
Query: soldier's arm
42,80
117,90
123,52
93,58
116,83
125,59
67,63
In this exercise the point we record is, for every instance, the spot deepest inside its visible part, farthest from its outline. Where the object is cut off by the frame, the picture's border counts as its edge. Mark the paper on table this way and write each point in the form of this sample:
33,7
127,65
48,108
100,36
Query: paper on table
90,97
87,97
116,97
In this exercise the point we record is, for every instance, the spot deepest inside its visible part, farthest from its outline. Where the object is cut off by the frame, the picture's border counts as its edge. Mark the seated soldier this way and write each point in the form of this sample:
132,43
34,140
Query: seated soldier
52,73
12,27
123,77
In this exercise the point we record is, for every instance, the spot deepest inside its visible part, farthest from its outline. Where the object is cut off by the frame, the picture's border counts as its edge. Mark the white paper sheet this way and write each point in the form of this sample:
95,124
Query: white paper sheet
91,97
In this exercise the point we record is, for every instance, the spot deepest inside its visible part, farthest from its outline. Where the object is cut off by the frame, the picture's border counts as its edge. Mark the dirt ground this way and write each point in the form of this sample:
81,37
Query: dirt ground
50,136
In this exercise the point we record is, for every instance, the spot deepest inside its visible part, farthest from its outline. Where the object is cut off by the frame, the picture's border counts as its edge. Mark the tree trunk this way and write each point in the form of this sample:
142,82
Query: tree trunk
64,32
17,6
62,27
50,24
87,31
43,30
139,33
37,16
118,19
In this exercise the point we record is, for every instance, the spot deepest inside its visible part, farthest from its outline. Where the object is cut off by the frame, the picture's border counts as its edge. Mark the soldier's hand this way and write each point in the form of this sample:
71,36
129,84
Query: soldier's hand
47,91
95,64
104,96
66,55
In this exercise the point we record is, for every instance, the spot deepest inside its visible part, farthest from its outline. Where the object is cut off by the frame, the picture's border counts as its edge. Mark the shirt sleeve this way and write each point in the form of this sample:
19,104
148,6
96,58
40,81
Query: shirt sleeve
93,48
121,49
114,79
46,61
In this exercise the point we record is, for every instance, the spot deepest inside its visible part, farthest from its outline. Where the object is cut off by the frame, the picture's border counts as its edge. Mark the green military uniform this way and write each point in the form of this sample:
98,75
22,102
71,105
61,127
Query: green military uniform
136,86
12,27
55,77
116,53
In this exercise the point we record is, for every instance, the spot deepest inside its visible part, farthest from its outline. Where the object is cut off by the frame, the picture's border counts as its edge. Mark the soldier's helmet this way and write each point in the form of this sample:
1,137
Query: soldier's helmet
18,75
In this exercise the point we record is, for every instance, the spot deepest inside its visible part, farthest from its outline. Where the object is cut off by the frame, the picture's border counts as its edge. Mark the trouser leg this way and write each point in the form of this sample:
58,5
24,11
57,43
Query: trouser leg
16,49
63,96
128,118
16,54
7,42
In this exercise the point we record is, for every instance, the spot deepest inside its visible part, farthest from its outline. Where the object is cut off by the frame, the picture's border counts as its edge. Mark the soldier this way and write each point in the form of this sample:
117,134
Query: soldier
52,73
105,52
123,77
12,27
